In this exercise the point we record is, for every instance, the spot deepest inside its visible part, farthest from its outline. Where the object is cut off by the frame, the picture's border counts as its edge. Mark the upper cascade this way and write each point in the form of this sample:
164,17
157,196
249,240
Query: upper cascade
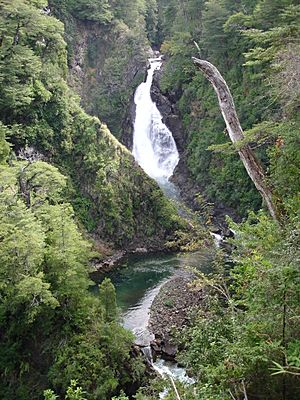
154,147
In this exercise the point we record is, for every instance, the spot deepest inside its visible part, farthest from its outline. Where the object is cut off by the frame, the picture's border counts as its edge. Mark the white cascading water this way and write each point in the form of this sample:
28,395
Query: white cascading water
154,147
155,150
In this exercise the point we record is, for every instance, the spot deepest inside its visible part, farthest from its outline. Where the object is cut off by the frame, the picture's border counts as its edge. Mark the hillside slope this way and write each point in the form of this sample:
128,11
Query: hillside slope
111,195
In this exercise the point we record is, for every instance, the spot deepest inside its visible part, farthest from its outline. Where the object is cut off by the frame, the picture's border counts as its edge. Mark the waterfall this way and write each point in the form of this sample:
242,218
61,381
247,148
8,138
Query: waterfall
171,371
154,147
217,238
155,150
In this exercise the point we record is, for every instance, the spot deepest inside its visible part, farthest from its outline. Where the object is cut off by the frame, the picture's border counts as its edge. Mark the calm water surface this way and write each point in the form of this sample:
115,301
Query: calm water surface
138,280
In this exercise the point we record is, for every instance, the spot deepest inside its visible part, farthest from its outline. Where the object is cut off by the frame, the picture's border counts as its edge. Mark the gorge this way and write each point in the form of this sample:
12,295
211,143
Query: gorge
103,154
138,280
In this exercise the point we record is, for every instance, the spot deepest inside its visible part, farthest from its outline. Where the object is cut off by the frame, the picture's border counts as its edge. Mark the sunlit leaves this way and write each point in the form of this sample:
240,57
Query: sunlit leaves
90,10
45,182
21,237
4,146
35,294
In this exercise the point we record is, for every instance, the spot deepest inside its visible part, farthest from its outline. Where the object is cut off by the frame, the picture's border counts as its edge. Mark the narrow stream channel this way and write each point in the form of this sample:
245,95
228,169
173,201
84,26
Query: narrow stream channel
138,280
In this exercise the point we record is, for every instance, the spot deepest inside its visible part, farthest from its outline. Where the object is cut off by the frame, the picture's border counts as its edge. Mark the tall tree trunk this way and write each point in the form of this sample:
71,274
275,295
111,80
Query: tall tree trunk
235,131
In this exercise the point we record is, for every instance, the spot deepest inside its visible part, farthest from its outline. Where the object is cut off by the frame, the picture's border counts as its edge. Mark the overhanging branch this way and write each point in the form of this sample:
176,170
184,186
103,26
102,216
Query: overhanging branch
248,157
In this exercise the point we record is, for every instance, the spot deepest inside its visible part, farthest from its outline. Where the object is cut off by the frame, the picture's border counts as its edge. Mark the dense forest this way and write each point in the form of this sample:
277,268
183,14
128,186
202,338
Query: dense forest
67,187
71,193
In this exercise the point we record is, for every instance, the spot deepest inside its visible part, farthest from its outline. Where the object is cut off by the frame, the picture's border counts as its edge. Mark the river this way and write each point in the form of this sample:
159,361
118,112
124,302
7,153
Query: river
138,280
139,277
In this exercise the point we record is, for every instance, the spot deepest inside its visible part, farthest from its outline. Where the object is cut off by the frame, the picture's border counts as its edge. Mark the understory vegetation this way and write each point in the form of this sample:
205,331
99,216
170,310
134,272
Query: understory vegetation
255,45
52,328
66,181
39,112
107,49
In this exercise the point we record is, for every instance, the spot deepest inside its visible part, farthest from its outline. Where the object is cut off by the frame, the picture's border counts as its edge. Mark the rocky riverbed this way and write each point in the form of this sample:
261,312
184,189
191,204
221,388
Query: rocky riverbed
171,310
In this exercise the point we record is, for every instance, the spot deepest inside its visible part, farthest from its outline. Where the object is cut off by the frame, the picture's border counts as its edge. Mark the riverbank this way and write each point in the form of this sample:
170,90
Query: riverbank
172,310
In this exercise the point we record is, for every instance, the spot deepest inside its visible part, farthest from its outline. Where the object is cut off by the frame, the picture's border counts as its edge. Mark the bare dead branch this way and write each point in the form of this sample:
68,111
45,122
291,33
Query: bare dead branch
247,156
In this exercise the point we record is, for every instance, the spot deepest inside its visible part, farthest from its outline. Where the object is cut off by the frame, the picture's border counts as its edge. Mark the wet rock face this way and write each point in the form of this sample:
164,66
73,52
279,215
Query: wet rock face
166,103
128,125
132,386
169,112
171,117
163,348
128,122
167,109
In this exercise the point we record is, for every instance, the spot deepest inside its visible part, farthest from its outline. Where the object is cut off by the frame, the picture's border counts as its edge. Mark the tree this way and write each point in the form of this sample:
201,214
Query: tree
4,146
234,129
108,300
74,392
92,10
151,20
30,39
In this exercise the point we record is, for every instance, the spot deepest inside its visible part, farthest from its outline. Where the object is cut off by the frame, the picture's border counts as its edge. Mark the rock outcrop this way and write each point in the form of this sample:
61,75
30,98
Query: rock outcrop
169,112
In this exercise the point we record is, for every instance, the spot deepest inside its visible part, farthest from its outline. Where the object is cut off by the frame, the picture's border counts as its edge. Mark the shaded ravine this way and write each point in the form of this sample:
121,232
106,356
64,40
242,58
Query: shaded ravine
137,282
139,278
155,150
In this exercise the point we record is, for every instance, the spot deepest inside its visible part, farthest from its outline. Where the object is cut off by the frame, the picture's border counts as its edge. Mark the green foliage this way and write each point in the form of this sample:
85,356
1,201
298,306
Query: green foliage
89,10
152,20
39,111
108,301
113,52
4,146
285,161
169,303
122,72
121,397
249,321
52,324
49,395
26,55
53,330
244,340
263,35
73,393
